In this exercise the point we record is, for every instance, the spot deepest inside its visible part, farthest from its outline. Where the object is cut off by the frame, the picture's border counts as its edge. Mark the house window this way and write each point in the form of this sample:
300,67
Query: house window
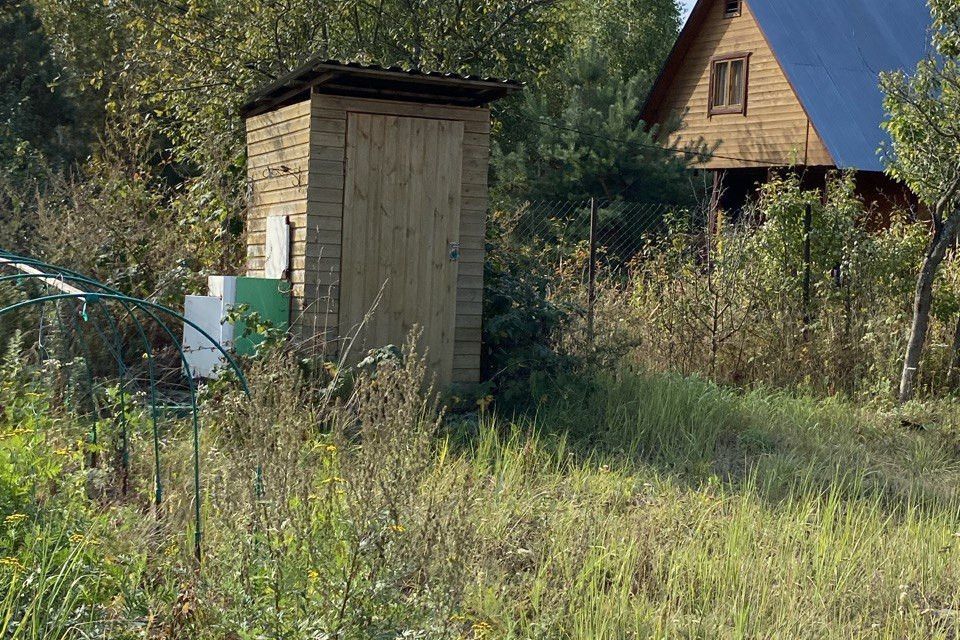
731,8
728,84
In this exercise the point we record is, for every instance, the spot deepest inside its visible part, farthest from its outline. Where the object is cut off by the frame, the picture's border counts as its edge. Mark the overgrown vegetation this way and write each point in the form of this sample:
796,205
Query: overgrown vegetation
722,458
149,91
631,505
922,111
738,301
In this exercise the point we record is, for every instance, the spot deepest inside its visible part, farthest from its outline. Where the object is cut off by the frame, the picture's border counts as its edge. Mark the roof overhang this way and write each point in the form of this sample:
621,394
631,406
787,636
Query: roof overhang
385,83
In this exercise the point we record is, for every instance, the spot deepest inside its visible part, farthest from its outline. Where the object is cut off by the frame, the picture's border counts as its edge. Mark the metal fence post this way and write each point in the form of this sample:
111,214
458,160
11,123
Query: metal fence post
592,284
807,258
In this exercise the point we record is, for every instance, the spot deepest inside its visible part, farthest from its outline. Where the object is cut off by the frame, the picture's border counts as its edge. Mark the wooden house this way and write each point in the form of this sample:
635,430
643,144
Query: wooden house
379,175
782,83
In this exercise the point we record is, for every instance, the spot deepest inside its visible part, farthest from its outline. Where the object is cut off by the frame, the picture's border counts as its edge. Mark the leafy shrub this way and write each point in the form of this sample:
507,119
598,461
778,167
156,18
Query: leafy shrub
520,319
731,304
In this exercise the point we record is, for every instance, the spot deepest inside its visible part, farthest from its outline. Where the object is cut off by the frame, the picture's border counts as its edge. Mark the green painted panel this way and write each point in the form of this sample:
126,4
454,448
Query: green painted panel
270,299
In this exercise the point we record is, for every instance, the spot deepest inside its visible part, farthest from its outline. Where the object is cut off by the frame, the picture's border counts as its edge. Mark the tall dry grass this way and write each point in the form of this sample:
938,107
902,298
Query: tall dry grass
629,505
632,505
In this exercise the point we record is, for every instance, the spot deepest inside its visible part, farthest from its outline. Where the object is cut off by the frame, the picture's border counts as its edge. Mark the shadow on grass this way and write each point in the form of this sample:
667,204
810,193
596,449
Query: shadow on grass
697,432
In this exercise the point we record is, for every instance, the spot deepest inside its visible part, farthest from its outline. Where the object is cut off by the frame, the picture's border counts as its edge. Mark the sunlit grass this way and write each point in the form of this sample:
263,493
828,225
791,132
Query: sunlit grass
588,550
626,506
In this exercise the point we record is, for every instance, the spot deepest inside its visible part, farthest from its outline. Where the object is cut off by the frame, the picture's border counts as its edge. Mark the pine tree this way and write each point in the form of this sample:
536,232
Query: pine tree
593,143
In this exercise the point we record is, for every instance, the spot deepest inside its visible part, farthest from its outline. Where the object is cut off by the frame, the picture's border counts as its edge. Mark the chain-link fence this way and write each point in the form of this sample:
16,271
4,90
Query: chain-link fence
616,229
579,241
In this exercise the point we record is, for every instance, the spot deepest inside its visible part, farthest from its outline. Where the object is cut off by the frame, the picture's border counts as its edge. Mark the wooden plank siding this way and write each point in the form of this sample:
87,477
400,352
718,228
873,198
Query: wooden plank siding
296,167
775,131
330,112
401,211
278,166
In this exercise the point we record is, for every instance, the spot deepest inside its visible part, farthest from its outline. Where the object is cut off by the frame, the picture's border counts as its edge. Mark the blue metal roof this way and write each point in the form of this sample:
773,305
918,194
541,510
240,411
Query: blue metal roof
833,51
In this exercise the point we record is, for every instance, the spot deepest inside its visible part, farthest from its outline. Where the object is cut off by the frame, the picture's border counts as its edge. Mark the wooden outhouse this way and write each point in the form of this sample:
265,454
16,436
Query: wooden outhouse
368,191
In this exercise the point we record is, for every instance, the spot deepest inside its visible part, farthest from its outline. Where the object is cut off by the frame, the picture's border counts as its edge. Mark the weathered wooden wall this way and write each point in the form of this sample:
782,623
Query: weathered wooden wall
401,212
303,146
278,160
775,129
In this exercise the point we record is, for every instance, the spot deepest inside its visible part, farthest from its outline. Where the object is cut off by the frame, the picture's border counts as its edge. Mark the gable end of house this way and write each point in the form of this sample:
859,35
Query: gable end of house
726,83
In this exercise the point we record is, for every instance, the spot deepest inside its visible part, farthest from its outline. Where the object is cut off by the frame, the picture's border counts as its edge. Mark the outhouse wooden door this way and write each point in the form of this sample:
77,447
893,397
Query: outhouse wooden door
401,226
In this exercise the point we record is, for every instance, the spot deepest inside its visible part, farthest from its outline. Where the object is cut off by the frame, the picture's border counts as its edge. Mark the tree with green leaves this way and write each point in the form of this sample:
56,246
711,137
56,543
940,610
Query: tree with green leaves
190,64
45,128
635,35
33,107
594,143
182,68
924,124
37,118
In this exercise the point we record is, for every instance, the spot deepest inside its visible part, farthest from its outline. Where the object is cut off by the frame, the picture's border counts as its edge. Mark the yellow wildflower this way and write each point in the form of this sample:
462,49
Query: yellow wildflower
332,448
398,528
14,518
14,433
313,575
13,563
481,629
77,538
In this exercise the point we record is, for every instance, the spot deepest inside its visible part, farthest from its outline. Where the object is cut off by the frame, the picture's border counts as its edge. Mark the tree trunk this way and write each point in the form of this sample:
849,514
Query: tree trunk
942,240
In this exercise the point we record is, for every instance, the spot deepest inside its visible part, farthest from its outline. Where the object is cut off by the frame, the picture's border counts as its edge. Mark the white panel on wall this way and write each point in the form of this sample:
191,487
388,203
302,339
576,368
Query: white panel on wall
202,355
278,248
224,288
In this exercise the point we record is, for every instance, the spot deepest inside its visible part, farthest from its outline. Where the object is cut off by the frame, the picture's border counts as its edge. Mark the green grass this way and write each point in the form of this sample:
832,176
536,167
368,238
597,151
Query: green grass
633,550
627,506
704,513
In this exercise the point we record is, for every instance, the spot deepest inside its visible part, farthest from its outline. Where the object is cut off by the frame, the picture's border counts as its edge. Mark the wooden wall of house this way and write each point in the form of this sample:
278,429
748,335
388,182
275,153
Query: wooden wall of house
278,160
775,129
297,168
